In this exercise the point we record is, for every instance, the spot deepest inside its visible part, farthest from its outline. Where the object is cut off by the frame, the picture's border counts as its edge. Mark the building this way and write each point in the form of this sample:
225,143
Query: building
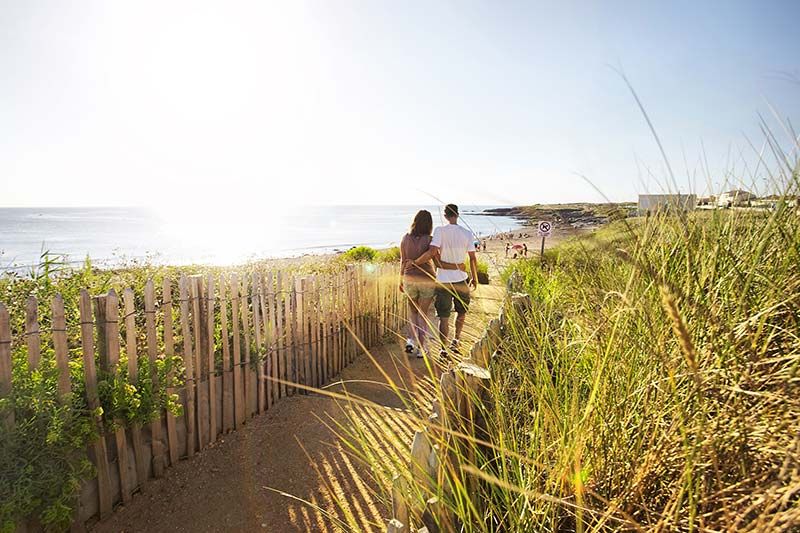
707,201
735,198
657,203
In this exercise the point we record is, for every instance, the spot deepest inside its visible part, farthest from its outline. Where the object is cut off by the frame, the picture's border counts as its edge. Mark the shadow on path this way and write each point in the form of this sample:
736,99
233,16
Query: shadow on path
287,470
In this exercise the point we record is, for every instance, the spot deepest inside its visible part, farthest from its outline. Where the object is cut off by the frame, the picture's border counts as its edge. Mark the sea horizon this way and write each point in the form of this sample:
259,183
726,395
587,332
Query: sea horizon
116,236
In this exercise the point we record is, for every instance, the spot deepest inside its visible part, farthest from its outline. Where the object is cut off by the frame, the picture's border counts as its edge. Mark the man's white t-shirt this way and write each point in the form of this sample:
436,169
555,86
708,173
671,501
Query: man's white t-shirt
453,242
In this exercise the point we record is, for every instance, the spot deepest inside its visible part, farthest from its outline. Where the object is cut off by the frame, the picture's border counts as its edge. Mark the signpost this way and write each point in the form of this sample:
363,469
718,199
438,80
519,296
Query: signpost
544,228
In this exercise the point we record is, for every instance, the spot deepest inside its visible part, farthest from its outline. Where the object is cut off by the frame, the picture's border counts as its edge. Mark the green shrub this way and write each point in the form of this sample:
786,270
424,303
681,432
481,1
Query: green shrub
359,253
483,271
43,457
389,255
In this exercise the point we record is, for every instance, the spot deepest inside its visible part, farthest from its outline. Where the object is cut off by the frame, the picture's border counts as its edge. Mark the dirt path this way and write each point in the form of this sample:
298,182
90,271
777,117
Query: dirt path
243,483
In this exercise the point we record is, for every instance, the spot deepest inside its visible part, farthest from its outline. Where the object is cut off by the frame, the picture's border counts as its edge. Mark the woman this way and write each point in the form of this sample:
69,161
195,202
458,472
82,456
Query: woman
418,280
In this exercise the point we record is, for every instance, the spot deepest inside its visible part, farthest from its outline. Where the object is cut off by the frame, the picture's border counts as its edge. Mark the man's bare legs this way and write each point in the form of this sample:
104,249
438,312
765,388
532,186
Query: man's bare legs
444,328
460,319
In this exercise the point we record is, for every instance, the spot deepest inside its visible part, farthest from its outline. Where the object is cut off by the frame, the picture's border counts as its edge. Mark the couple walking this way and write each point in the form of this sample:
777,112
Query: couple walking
434,271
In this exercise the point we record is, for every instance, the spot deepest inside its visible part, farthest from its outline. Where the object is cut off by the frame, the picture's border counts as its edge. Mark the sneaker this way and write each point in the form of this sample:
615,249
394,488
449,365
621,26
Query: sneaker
409,346
454,346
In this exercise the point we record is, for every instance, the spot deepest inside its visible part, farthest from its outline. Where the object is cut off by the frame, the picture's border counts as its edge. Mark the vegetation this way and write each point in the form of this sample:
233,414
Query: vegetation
389,255
483,271
43,458
368,254
655,382
653,385
359,253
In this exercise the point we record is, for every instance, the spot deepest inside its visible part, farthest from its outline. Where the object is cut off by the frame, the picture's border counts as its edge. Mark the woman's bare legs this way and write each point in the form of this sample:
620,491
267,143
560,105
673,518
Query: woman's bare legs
413,320
422,329
418,320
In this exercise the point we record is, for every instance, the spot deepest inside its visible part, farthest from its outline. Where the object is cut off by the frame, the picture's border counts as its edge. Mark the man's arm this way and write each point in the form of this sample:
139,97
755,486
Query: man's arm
432,253
473,266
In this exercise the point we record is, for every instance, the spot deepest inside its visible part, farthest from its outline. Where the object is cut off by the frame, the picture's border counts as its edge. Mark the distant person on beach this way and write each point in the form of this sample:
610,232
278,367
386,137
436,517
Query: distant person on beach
418,280
525,249
508,247
449,245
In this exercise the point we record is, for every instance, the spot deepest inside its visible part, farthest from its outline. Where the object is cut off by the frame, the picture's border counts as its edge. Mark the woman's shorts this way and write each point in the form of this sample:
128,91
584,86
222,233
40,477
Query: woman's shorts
415,289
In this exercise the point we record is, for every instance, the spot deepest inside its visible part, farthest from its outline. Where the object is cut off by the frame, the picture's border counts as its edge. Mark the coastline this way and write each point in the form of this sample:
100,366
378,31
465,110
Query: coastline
567,219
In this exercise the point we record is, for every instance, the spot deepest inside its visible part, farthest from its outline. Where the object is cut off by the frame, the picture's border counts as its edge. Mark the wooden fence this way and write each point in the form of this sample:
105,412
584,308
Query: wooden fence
452,431
246,341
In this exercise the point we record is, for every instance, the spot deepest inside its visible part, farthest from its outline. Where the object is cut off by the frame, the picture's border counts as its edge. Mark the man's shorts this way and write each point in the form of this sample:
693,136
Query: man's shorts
448,294
418,288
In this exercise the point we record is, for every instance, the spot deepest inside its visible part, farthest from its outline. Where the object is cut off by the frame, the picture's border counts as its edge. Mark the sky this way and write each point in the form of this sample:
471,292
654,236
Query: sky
228,105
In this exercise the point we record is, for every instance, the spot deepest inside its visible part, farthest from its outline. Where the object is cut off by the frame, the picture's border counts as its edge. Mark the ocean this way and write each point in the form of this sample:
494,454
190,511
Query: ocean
117,236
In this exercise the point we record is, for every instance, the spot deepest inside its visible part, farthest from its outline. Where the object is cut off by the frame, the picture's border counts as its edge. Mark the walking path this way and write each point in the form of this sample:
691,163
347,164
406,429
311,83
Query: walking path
287,470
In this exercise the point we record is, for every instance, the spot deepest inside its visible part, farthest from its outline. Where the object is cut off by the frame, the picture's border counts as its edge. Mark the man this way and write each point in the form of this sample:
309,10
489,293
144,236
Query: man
449,245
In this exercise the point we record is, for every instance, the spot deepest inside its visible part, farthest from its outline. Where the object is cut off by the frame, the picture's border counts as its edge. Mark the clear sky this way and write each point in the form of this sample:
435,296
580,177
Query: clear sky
229,103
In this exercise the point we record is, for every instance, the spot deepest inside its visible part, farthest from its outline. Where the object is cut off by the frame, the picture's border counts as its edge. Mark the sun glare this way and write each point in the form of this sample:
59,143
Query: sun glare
226,234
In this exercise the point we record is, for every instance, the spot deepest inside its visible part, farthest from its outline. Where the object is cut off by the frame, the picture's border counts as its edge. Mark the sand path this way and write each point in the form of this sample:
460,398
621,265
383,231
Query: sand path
293,448
262,477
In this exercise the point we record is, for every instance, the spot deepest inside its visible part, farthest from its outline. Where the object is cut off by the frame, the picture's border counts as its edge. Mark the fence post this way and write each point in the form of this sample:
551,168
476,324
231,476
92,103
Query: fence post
6,387
313,340
105,497
156,445
238,393
133,377
257,297
169,351
110,314
291,333
200,360
280,334
227,374
188,363
244,299
32,339
59,325
211,359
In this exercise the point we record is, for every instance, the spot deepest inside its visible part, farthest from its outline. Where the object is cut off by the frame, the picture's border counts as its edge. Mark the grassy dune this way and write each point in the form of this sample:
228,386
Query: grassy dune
655,385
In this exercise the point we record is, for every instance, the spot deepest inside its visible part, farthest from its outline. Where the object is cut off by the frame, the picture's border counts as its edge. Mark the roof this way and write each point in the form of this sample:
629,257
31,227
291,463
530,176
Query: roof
738,192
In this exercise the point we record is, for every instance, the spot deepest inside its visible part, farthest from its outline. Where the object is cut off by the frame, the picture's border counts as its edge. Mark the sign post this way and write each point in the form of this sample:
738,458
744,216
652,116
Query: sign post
544,229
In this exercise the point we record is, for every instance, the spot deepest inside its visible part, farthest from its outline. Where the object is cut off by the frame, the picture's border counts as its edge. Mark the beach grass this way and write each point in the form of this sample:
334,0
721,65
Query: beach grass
654,385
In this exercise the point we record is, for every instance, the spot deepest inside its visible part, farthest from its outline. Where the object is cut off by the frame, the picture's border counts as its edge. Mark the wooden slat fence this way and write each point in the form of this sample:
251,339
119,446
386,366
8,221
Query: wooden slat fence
244,341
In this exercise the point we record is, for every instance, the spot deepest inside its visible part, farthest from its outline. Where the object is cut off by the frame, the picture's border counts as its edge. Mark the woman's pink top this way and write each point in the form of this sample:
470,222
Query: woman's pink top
411,247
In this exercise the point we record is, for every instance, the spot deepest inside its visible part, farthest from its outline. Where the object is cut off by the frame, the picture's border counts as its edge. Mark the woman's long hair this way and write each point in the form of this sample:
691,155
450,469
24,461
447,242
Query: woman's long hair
423,223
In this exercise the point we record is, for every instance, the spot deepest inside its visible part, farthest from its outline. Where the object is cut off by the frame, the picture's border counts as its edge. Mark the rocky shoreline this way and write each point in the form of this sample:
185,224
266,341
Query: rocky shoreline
572,215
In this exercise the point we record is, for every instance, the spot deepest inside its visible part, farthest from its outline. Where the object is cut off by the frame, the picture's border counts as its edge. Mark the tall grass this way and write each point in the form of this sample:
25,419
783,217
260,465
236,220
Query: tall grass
654,385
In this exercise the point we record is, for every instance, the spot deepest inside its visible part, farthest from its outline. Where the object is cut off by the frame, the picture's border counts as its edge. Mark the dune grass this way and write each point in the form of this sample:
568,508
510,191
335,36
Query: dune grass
653,386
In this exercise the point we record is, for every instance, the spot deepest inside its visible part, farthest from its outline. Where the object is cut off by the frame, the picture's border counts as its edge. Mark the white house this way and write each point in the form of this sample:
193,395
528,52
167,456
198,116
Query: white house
653,203
736,197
